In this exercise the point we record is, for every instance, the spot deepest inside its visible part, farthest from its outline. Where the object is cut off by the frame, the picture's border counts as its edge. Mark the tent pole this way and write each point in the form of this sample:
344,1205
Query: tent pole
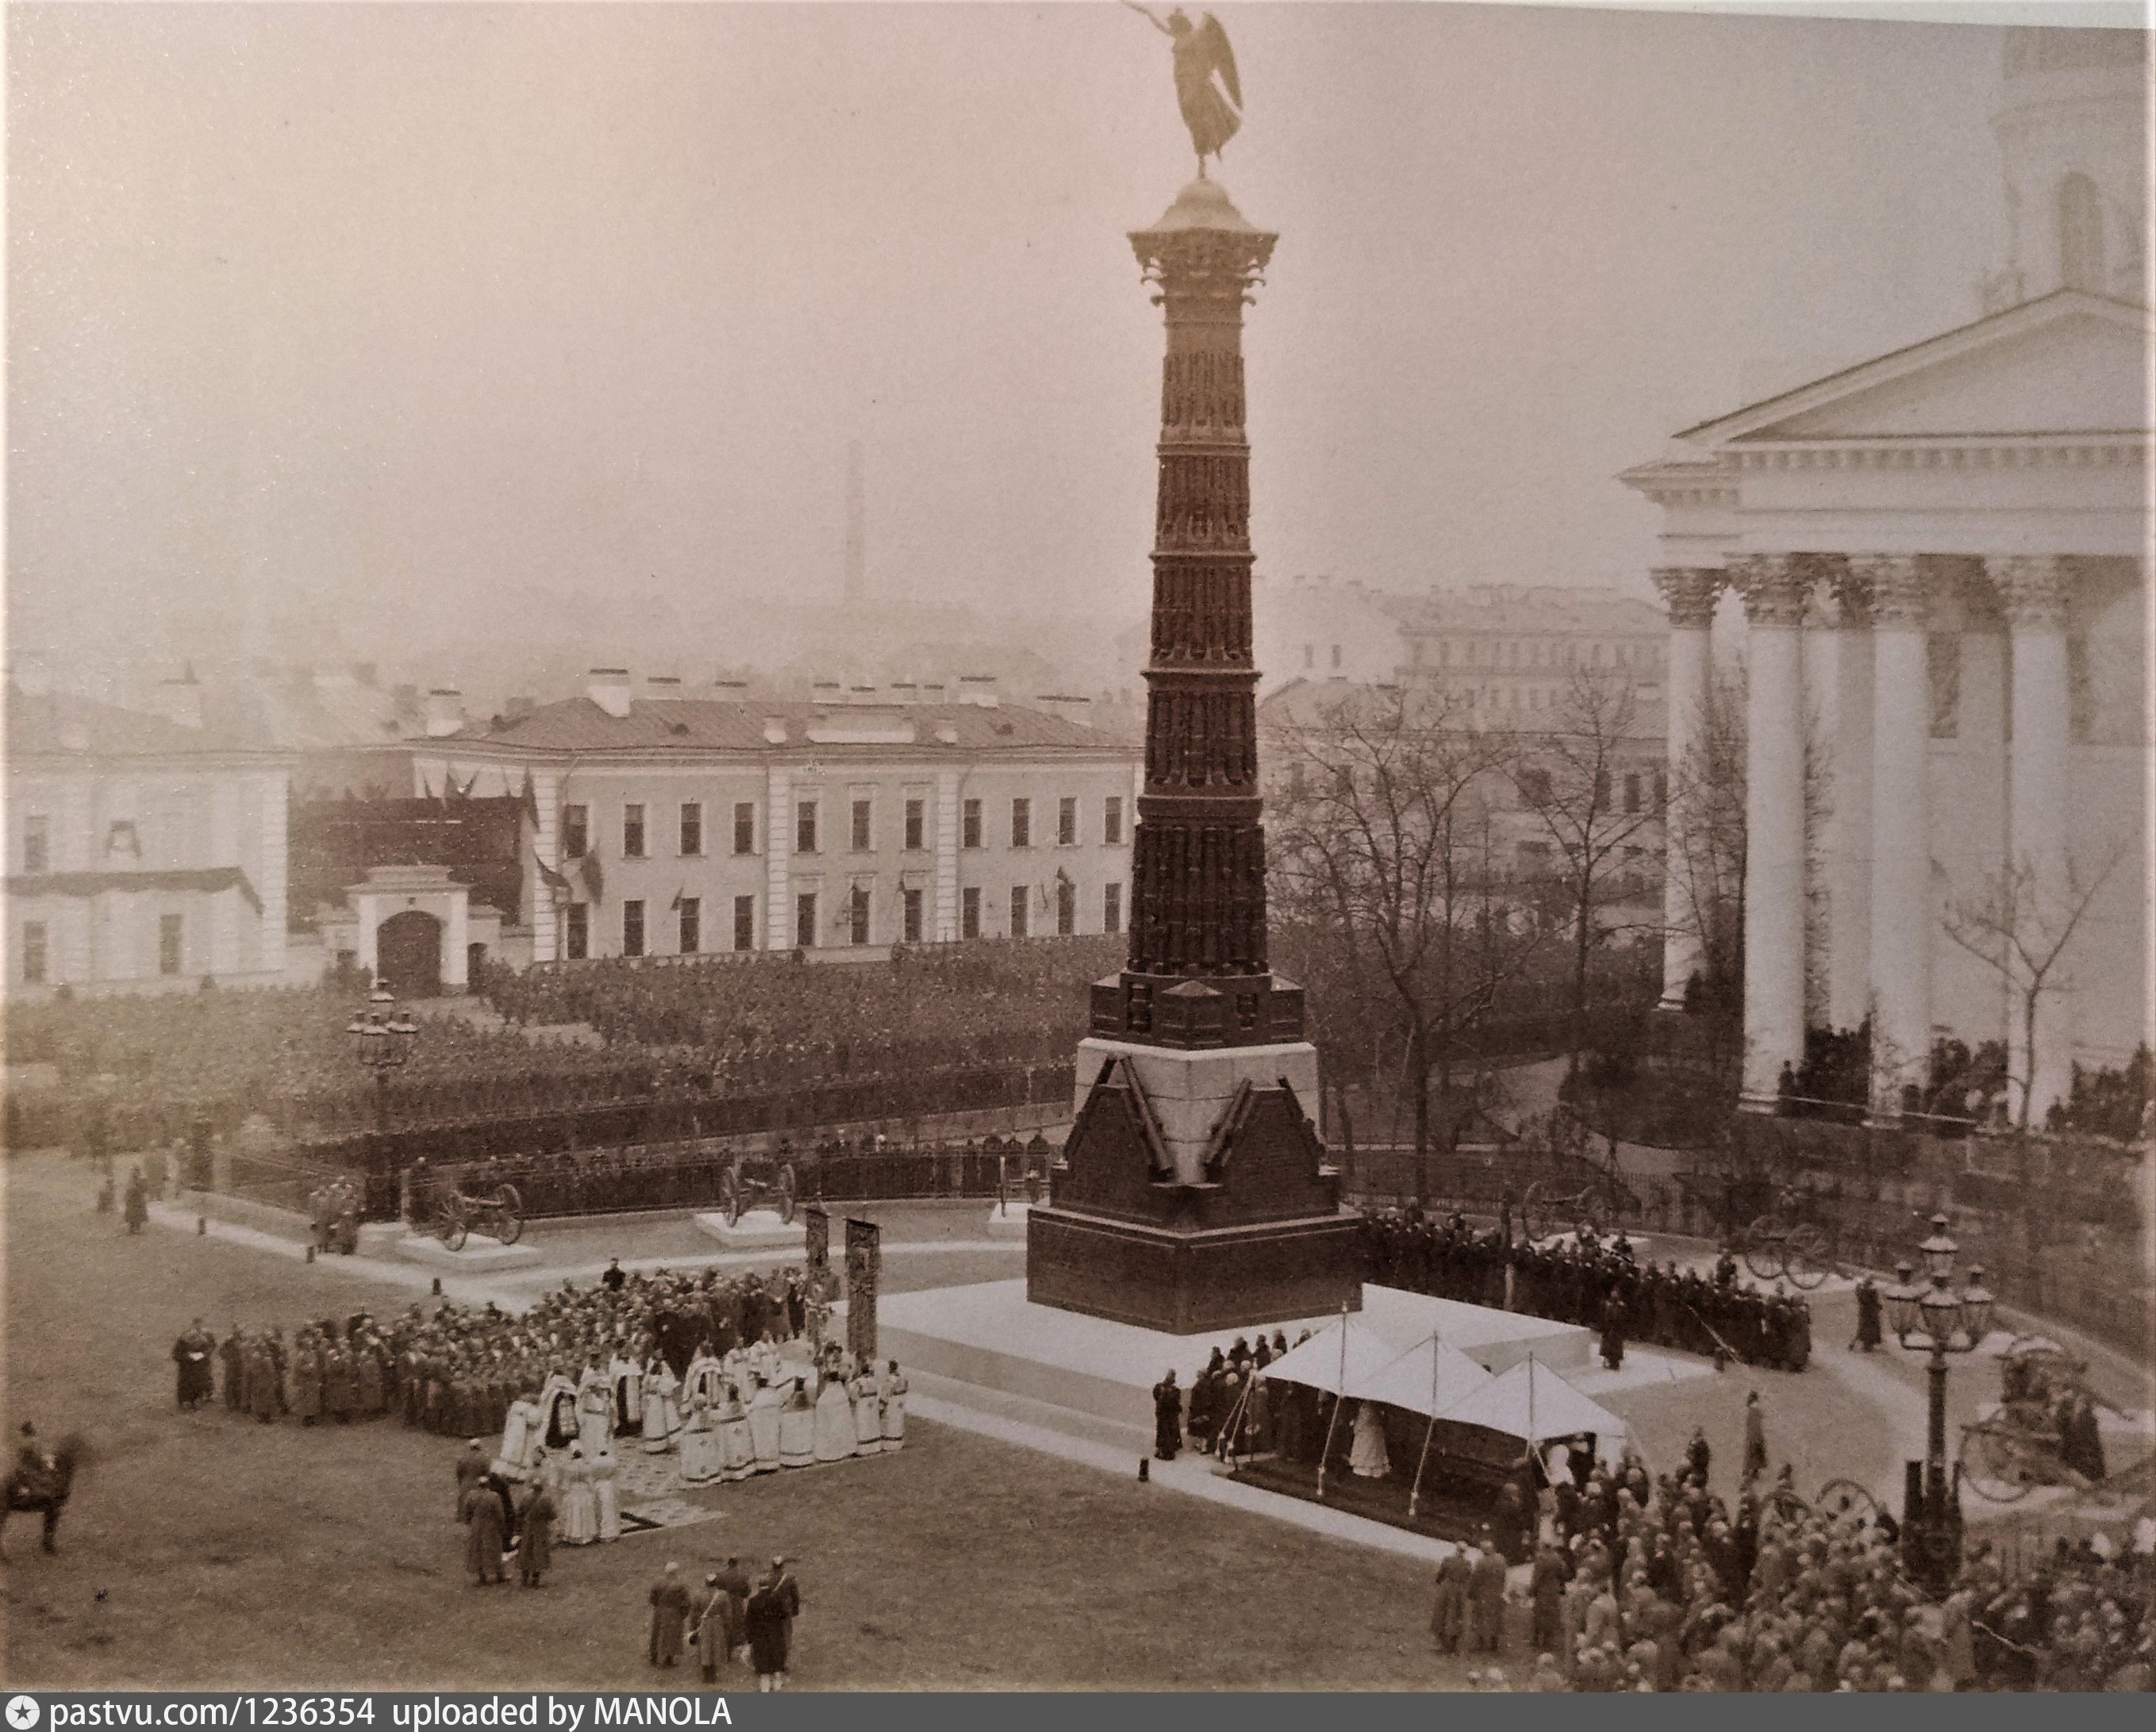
1339,1400
1414,1493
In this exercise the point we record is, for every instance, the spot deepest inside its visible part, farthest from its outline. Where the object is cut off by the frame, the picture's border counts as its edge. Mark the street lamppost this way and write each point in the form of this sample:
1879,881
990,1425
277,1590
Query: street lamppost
1948,1322
382,1038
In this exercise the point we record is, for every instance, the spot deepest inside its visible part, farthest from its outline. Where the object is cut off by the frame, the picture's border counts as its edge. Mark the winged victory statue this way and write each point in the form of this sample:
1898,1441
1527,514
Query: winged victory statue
1206,87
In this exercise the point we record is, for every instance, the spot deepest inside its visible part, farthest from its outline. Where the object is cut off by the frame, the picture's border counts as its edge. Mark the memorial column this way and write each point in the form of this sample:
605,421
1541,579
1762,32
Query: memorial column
2039,776
1689,592
1902,917
1774,589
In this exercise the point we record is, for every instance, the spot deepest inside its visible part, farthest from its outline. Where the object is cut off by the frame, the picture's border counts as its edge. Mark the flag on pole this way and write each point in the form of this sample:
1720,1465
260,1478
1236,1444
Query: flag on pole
548,876
530,797
594,879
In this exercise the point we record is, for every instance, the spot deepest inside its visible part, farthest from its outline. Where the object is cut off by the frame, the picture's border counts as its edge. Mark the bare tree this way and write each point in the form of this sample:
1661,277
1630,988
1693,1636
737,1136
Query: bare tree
1705,813
2011,926
1379,831
1582,779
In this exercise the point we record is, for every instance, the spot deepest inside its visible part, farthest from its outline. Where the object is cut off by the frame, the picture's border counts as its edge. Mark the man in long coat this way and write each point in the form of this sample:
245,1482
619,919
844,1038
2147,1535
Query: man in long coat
715,1630
486,1522
1485,1598
670,1616
191,1354
1167,1417
1755,1437
1448,1618
534,1545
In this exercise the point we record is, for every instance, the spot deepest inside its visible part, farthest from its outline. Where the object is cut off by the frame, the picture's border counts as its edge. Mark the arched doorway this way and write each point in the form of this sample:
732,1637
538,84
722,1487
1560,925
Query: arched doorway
408,949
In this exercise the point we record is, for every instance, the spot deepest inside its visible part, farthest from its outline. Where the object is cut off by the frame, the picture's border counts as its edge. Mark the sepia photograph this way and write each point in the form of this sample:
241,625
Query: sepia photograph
1073,847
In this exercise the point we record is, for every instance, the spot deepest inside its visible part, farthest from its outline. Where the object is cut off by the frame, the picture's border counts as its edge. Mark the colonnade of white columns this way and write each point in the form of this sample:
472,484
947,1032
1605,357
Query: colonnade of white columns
1883,920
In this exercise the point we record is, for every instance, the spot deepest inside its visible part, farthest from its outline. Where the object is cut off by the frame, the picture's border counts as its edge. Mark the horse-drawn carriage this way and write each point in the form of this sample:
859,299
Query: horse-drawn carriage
752,1179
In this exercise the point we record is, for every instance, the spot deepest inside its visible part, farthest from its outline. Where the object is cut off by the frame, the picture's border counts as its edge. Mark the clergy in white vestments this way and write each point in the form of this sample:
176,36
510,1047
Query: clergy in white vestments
662,1414
698,1444
1367,1458
558,1401
705,1381
894,1408
736,1449
796,1430
580,1502
627,1383
868,1417
594,1411
521,1436
834,1422
608,1493
763,1425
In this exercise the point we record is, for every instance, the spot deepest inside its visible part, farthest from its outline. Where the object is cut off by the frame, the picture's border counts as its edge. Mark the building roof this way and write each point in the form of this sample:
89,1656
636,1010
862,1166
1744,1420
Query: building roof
61,724
1523,610
696,725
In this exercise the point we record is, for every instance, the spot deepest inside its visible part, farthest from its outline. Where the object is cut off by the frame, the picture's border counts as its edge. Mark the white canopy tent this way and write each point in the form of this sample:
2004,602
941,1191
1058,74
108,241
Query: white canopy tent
1428,1379
1321,1362
1535,1404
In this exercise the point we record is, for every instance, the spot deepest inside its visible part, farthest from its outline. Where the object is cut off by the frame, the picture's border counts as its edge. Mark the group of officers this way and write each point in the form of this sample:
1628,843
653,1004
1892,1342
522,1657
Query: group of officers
1590,1280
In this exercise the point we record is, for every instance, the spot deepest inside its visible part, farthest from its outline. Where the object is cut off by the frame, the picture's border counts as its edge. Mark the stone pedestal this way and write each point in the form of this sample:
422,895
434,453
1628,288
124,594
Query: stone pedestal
1193,1194
1008,1221
479,1255
758,1230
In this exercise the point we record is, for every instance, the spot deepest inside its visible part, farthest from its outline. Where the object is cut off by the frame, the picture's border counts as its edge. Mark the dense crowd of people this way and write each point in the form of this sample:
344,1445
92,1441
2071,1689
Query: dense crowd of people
773,1021
1598,1282
1641,1584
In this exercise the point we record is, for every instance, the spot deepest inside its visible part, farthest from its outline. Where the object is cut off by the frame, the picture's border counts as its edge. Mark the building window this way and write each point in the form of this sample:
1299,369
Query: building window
1112,821
857,915
1020,906
912,917
1534,859
36,844
575,832
862,818
1021,824
577,941
916,825
973,823
804,827
692,926
1602,787
969,913
804,921
692,827
1661,789
1336,655
1535,787
1066,908
632,832
170,930
1111,909
744,923
1066,823
1632,791
744,827
33,951
632,928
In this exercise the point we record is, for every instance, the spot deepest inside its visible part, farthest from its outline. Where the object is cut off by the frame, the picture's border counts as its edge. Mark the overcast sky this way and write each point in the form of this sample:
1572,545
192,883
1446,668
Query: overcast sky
406,312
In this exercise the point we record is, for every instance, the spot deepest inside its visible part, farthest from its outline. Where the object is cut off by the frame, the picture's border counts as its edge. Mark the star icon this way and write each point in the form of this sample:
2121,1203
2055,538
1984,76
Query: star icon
22,1712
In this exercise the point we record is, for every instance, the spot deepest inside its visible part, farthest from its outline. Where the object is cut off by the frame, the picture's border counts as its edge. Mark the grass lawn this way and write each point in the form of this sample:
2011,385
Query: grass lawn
232,1553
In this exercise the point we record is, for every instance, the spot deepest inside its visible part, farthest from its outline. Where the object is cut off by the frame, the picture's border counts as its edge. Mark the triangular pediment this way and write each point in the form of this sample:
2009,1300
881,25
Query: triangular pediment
2069,364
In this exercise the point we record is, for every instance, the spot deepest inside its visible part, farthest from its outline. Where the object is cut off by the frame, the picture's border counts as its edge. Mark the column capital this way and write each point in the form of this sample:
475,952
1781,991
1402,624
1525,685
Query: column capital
1774,585
1690,593
1895,590
2032,590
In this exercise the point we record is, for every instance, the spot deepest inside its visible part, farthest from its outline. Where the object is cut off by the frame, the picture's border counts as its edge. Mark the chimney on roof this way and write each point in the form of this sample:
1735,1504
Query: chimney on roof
1077,711
445,712
608,688
180,699
978,689
774,730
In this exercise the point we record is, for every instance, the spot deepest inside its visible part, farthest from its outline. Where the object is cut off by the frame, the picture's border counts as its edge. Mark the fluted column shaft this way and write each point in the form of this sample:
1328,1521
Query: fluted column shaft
1689,593
1774,824
1848,860
2038,791
1902,917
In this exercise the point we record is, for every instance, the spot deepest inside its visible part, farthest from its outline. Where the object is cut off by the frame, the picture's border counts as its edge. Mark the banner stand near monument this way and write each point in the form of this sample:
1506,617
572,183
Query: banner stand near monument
864,1279
1193,1193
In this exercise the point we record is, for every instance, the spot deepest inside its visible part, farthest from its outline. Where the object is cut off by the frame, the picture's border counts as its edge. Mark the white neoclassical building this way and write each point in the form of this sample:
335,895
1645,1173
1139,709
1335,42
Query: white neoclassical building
1942,555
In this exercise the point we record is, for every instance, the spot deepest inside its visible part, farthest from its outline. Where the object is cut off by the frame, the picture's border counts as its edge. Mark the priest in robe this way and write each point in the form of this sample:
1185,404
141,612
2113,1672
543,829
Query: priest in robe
627,1382
764,1425
662,1415
834,1422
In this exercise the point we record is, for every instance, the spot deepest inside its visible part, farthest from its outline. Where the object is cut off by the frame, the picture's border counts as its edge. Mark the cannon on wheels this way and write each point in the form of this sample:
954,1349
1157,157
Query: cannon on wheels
773,1181
2020,1445
1783,1244
1546,1212
499,1216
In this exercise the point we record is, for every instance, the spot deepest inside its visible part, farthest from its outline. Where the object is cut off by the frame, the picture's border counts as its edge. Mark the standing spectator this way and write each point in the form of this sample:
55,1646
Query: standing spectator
138,1202
1755,1439
535,1543
486,1522
670,1616
714,1633
769,1623
1447,1619
1485,1596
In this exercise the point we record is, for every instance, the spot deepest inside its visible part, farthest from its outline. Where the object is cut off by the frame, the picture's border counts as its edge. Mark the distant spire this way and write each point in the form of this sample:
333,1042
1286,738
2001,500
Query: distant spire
857,550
